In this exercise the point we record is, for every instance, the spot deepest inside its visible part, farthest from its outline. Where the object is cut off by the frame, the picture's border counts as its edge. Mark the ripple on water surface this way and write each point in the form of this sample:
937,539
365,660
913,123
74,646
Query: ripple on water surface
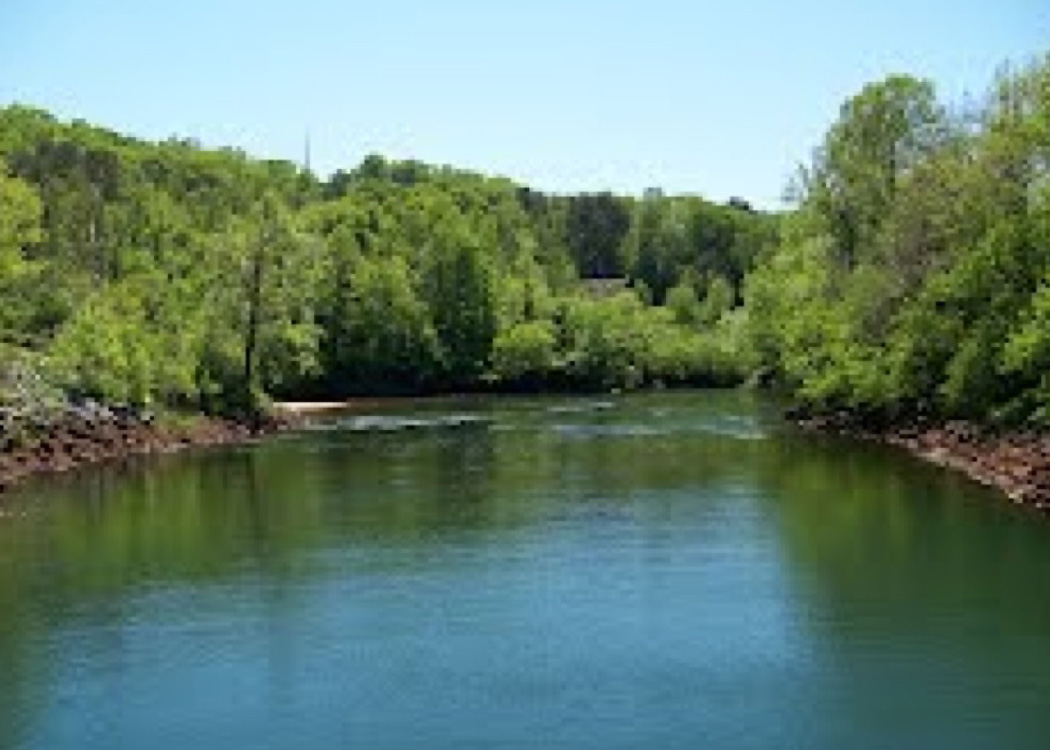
643,571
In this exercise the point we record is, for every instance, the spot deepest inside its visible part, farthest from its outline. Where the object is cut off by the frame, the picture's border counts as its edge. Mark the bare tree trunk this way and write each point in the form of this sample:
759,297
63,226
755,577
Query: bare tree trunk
252,334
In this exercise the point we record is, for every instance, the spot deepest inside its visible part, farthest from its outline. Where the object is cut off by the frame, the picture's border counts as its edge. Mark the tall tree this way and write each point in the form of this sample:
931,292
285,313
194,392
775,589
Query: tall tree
20,212
881,133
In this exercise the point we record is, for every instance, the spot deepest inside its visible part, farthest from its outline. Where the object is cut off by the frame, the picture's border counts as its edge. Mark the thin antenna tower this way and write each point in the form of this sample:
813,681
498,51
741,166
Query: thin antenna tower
306,153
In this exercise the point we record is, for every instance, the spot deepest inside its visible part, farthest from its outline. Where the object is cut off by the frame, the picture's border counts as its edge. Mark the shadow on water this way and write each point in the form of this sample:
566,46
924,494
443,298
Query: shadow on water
908,591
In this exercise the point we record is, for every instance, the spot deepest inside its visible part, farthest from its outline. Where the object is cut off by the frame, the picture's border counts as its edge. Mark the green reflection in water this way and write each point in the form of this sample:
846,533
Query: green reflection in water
638,572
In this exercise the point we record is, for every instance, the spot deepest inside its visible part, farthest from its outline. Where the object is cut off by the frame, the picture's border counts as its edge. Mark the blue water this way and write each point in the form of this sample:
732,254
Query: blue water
656,571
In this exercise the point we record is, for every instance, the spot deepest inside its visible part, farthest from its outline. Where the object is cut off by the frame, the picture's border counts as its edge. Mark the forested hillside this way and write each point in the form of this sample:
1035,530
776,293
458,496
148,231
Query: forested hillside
179,276
914,278
912,275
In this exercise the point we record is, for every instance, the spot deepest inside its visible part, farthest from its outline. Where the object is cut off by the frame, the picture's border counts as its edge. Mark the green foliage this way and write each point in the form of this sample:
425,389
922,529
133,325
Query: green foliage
201,279
675,240
20,213
391,336
102,352
620,342
524,356
718,300
913,275
596,225
606,349
880,135
460,296
684,304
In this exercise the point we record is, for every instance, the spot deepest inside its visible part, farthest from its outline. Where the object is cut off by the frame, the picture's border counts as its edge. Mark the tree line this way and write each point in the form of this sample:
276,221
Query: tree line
181,277
913,278
911,274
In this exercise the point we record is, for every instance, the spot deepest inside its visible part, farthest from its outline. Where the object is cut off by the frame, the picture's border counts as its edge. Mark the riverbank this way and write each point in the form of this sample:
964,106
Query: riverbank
302,409
298,411
79,436
1016,463
85,436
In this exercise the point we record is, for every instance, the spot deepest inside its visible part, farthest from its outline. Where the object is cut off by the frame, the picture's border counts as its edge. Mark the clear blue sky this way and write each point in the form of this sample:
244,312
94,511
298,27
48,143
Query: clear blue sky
718,98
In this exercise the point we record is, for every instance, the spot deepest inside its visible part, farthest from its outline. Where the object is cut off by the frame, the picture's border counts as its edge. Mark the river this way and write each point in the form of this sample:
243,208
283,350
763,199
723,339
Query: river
669,570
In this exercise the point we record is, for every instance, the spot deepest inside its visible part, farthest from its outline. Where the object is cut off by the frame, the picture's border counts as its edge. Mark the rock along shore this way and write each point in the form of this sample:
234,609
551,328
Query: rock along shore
82,436
1017,463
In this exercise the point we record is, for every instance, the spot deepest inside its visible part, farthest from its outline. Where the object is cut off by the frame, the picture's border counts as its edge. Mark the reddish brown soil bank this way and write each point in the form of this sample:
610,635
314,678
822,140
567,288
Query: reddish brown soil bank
1018,463
83,438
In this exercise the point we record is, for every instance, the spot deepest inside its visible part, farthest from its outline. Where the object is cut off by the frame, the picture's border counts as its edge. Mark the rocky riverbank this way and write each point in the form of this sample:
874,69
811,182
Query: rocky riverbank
79,436
1017,463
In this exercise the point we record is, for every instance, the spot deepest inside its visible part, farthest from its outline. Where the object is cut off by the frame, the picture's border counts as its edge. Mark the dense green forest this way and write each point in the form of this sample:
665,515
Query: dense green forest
911,274
173,275
914,276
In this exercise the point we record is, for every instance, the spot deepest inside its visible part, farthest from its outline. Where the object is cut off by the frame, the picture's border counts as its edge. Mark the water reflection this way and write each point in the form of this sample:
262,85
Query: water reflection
634,572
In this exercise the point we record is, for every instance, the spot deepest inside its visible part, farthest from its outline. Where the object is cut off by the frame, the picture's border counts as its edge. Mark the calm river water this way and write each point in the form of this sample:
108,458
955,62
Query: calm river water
657,571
